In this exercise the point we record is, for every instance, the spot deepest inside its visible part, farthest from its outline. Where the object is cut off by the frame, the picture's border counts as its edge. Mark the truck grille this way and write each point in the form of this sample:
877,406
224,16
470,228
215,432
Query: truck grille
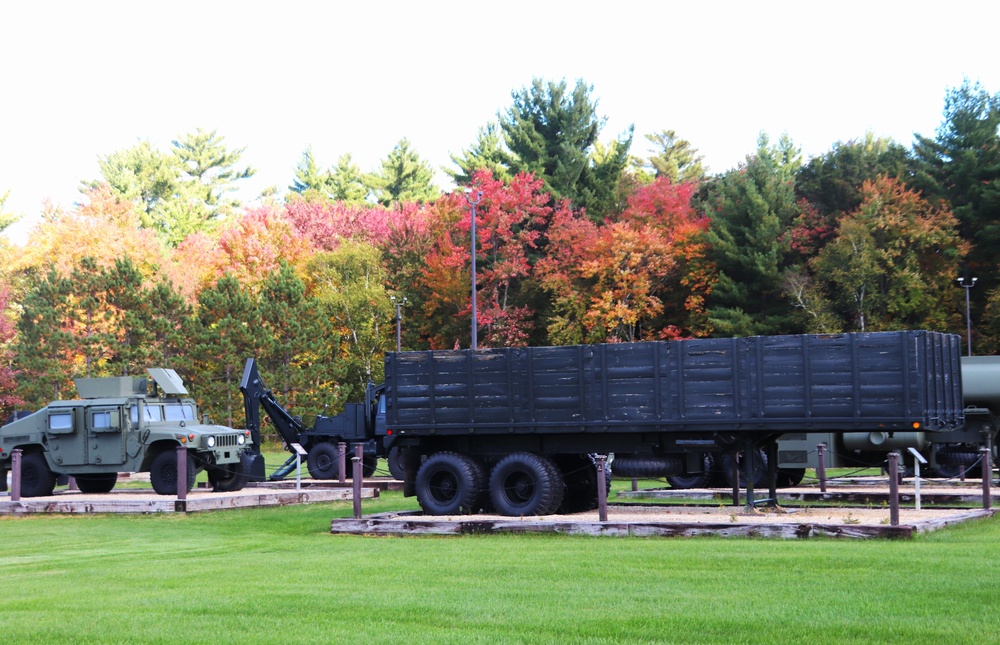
225,440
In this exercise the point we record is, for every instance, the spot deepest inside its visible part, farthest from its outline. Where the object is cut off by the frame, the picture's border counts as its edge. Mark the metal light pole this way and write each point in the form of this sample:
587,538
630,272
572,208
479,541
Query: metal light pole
399,319
967,283
475,322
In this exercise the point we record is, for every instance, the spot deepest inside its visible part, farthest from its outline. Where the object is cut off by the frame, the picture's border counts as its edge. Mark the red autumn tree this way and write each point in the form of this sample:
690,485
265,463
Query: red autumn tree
510,220
639,276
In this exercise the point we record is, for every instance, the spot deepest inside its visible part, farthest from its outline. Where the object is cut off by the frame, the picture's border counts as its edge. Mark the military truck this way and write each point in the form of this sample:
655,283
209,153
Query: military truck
521,424
119,426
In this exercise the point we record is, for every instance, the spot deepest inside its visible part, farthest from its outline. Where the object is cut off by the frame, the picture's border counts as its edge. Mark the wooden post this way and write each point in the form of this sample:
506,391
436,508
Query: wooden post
821,466
894,488
602,488
15,475
72,483
342,462
359,453
772,473
987,468
635,484
736,479
749,459
182,468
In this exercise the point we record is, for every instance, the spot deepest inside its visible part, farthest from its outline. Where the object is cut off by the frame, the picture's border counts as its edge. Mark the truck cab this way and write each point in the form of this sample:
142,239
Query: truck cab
119,426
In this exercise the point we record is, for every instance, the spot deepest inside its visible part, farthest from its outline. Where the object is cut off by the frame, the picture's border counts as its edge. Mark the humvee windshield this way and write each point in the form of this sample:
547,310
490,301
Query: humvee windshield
164,412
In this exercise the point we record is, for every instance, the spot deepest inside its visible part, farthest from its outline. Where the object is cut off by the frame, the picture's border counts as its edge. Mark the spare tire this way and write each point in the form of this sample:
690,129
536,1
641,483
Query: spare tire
956,457
695,480
648,467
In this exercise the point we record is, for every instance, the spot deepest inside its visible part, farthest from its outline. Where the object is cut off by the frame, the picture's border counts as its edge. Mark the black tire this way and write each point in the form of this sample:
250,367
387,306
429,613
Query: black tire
524,483
695,480
790,477
395,459
953,457
163,473
759,469
647,467
322,462
36,478
230,477
450,483
101,483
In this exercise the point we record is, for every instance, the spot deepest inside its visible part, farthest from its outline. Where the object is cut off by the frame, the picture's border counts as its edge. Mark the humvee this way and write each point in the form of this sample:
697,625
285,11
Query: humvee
118,426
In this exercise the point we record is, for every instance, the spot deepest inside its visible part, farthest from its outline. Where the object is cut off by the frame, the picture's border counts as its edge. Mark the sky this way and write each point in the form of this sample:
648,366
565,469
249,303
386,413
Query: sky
80,80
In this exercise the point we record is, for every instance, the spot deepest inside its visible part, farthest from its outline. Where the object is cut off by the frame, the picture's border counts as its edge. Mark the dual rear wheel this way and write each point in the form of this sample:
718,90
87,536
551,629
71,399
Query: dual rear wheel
519,484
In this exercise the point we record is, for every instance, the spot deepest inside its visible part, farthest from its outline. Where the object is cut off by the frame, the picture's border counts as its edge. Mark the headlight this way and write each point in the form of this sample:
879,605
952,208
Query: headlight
210,442
240,439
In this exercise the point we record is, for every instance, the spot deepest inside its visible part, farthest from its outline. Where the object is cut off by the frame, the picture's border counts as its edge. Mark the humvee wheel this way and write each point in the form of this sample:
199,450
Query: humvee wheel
102,483
163,473
36,478
231,477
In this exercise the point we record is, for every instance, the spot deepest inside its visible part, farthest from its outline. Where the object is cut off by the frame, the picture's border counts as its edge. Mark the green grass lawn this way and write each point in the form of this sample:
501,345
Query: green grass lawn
277,575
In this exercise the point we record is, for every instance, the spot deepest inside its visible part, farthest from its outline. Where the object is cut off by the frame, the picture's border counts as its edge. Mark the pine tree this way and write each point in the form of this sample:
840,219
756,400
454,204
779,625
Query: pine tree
295,343
347,182
674,158
309,177
750,209
222,337
486,154
404,177
129,307
92,322
961,165
169,323
44,342
551,133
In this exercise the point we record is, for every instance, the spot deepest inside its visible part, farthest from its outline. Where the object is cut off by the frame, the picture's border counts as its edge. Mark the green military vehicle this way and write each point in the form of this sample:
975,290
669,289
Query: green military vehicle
118,426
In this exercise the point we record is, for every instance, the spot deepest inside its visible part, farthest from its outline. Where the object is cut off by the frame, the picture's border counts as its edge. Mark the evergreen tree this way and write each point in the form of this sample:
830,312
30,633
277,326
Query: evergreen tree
961,165
169,322
674,158
44,342
404,177
211,167
309,177
294,345
129,306
223,335
180,192
92,322
832,182
143,175
347,182
551,132
486,154
750,209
